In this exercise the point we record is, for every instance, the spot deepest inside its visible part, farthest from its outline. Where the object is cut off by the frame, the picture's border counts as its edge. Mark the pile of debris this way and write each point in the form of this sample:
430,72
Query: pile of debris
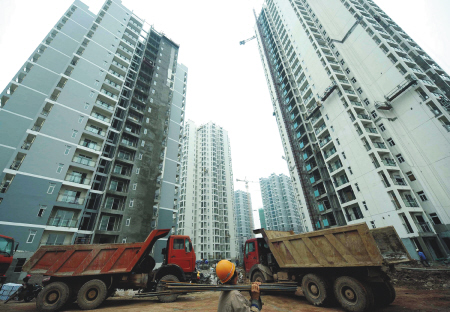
421,278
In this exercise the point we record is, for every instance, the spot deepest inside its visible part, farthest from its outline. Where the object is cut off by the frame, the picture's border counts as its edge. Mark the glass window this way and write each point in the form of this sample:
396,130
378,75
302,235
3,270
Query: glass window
187,245
31,236
178,243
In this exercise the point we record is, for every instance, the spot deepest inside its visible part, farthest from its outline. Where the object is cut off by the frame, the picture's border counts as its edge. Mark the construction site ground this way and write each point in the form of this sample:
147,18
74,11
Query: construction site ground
417,290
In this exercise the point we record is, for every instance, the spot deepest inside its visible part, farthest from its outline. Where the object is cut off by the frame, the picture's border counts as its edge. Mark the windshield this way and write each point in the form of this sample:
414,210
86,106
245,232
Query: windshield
6,246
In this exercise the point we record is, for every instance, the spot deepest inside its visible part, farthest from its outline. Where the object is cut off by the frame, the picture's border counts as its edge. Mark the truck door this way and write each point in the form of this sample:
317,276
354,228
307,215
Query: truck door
251,255
182,255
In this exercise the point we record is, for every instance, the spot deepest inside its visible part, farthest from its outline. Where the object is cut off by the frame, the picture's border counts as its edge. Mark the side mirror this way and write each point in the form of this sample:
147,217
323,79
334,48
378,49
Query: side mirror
163,251
17,246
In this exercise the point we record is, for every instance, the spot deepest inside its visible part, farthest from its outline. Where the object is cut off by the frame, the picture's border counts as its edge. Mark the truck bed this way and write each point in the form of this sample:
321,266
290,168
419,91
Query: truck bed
81,260
345,246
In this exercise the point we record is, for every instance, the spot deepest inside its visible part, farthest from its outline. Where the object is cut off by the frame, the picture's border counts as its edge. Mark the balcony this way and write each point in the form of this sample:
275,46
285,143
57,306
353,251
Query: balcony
341,181
318,130
70,199
100,117
389,162
83,161
335,166
128,142
91,145
379,145
410,202
105,105
424,227
95,130
363,116
109,94
79,179
324,141
371,130
61,222
329,153
356,103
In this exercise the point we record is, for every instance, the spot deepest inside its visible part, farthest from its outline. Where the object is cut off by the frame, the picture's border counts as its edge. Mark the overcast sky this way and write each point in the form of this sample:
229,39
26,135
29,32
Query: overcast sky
226,83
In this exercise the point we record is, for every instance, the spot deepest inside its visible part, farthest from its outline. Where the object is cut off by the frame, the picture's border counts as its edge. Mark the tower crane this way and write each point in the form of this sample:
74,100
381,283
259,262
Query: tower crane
247,40
250,212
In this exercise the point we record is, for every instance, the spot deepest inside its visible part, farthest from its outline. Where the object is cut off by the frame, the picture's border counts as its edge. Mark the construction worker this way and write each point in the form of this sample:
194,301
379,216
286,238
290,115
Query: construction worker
423,258
234,301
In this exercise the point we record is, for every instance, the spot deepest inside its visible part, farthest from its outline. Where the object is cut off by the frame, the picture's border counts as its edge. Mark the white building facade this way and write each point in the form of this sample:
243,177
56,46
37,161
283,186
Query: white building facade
244,219
363,117
280,207
206,210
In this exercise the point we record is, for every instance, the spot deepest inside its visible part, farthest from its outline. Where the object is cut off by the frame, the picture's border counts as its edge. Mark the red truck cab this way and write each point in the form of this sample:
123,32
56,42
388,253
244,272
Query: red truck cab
6,255
254,249
179,251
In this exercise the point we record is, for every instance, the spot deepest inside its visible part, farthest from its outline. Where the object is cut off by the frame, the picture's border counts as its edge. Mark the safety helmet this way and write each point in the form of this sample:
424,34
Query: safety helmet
225,270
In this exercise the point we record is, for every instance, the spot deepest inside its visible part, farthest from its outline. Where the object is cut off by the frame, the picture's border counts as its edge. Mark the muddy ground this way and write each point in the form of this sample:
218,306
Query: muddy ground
408,299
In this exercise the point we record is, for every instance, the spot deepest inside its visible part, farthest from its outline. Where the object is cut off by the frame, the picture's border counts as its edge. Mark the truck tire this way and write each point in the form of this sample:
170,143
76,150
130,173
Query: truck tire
384,293
258,277
53,297
353,295
160,287
91,294
316,289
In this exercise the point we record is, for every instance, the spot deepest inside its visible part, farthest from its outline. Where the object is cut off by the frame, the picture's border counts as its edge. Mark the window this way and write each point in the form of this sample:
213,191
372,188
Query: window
422,196
147,120
96,83
19,265
357,187
353,80
365,206
149,109
435,218
391,142
360,91
134,186
131,203
366,101
153,91
151,100
400,158
410,176
142,143
140,156
326,116
337,54
41,210
332,46
74,133
337,141
343,155
332,129
342,62
347,71
138,170
60,168
178,243
382,128
145,131
124,240
31,236
51,188
350,170
92,93
101,71
127,222
187,245
373,224
373,113
86,105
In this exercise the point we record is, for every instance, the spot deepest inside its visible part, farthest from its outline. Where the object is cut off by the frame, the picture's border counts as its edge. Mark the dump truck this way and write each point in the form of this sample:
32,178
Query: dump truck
88,274
6,255
347,263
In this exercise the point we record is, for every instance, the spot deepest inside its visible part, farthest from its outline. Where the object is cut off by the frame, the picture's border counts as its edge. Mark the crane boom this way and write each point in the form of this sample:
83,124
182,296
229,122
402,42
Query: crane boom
247,40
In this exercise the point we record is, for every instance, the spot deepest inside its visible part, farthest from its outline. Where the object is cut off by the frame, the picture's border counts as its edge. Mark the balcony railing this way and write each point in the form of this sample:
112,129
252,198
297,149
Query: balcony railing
379,145
389,162
109,93
324,141
70,199
371,130
363,116
334,167
83,161
105,105
329,153
77,179
100,117
58,221
410,202
424,227
95,130
91,145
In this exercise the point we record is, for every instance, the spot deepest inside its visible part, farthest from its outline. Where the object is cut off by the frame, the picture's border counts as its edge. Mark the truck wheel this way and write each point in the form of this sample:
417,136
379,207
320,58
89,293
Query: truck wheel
384,293
160,287
353,295
53,297
258,277
91,294
316,289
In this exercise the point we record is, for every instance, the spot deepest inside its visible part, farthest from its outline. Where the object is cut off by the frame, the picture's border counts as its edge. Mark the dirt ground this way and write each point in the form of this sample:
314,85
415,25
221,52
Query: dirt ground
408,299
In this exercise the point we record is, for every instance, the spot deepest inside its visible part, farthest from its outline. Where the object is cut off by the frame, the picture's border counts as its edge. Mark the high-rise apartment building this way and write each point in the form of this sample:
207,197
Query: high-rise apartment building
280,205
262,218
244,219
206,210
363,116
91,129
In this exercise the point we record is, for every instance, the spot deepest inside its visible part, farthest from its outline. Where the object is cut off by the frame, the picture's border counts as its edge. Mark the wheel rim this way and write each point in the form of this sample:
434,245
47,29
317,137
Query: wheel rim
92,294
349,294
52,297
259,279
313,290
